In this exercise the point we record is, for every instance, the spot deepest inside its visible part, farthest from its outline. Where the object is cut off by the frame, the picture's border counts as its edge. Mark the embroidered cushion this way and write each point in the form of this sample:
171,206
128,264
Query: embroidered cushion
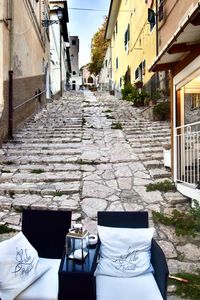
124,252
19,266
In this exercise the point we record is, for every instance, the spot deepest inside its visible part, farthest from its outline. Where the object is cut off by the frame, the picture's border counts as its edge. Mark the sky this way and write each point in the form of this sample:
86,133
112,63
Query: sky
85,23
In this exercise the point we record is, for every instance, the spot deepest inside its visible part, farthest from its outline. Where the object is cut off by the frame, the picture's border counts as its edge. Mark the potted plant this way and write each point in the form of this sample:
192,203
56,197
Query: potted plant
167,155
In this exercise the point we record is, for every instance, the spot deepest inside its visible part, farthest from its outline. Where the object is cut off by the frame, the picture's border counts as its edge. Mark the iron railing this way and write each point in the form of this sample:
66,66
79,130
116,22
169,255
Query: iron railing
188,153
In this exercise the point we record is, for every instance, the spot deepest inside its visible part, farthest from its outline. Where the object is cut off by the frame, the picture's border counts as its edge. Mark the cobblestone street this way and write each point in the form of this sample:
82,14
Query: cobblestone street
70,156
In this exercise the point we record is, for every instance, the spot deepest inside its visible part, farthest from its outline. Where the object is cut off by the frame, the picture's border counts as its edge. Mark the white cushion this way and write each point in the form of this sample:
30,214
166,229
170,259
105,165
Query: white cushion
46,287
19,266
124,252
141,287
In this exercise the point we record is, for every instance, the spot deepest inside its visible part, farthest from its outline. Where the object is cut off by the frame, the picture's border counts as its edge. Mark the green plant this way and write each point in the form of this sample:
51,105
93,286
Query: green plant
162,186
109,117
161,111
190,290
11,194
185,223
127,91
107,111
37,171
116,125
5,229
18,209
8,162
83,121
5,171
58,194
87,162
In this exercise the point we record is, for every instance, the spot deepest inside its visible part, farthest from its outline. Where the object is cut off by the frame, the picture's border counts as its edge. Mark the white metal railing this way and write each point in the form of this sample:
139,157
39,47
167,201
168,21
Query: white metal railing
188,153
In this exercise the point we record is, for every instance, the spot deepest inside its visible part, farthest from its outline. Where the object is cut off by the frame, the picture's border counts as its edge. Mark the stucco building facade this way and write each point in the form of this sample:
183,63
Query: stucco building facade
132,34
24,59
179,54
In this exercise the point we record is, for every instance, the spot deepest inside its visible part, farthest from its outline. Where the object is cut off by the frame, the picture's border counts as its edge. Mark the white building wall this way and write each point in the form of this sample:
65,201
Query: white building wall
105,76
76,78
55,57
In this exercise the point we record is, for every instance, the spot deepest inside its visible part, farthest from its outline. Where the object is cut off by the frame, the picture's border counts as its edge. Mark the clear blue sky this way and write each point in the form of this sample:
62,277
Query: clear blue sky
85,23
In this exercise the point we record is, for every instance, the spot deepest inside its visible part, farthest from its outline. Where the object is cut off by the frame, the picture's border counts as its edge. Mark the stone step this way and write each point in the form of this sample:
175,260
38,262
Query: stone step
153,164
50,129
144,145
46,159
155,149
146,128
42,176
159,173
149,132
46,167
151,156
44,152
35,201
150,135
47,135
163,140
41,188
49,141
51,146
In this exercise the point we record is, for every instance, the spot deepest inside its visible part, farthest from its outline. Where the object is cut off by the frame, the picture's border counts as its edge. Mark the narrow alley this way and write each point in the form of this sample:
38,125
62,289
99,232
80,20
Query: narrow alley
86,153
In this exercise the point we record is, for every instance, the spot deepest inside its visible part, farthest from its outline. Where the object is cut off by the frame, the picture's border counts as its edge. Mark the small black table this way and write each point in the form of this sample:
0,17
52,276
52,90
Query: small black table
76,279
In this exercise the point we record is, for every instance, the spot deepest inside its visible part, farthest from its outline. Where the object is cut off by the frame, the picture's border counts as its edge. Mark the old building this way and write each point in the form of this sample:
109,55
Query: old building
60,67
24,59
105,76
131,29
76,78
25,71
89,80
179,53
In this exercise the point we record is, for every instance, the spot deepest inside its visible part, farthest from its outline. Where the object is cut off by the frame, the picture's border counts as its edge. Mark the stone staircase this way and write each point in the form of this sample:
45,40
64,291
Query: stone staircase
39,166
145,137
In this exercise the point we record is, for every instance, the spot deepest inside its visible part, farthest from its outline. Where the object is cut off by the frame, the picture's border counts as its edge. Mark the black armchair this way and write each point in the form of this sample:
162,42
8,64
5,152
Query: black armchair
140,220
46,230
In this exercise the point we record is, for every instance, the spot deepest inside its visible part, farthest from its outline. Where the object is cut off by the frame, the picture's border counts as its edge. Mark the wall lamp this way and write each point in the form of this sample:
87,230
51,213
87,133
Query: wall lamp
47,22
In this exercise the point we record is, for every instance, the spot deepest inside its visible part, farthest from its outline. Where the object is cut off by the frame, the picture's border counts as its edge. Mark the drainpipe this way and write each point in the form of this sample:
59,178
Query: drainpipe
61,92
10,74
157,50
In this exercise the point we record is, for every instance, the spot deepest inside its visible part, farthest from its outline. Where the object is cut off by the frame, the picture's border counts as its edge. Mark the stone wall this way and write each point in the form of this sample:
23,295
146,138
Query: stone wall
23,89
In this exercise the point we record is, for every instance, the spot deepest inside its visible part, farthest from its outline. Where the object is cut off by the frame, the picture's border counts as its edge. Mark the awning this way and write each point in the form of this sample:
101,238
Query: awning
184,42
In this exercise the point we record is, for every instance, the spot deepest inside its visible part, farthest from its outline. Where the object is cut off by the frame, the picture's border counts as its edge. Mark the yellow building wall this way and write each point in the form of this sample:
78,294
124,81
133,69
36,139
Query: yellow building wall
1,57
142,44
29,42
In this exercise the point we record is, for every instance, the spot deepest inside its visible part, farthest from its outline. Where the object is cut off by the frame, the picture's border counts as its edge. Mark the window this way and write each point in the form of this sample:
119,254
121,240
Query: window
73,42
120,82
161,11
143,66
136,73
106,63
117,63
195,101
116,27
127,38
151,18
74,72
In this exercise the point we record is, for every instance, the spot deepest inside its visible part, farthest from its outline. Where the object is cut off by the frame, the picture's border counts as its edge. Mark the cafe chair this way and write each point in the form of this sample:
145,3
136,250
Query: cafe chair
30,260
132,266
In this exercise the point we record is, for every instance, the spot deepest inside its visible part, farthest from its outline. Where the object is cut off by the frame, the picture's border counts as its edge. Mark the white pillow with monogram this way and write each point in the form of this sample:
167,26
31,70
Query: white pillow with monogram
19,266
124,252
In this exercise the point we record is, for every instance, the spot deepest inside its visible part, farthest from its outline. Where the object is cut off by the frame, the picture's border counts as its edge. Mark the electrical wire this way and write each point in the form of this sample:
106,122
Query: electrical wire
94,9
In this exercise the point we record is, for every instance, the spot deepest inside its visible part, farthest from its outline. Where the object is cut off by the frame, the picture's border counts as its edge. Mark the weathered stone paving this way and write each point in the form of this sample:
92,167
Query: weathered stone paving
68,156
